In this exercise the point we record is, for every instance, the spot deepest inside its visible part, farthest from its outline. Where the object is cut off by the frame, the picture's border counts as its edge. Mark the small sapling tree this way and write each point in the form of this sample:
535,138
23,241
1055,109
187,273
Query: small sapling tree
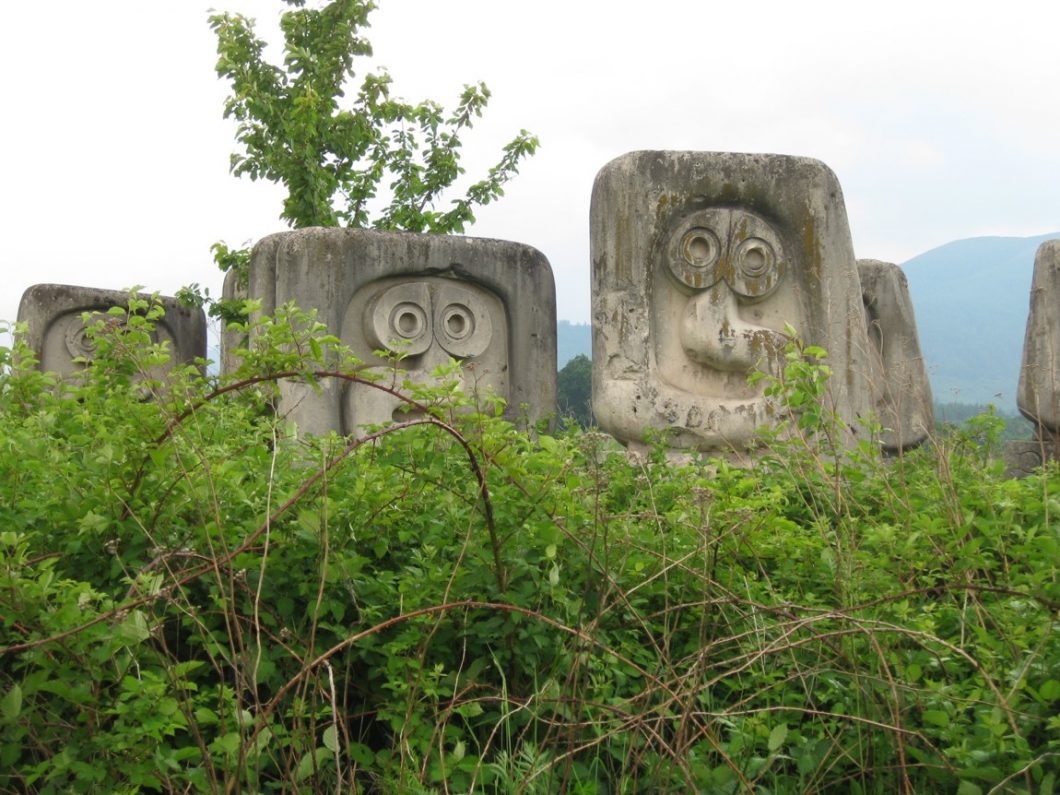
333,153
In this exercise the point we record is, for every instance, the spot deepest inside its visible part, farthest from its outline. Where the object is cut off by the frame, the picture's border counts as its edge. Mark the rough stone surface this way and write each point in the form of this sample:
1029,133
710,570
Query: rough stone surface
1038,395
231,341
699,260
56,331
1022,457
489,304
901,390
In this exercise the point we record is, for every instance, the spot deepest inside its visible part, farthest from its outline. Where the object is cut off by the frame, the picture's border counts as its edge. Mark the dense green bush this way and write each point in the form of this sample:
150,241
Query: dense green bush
194,599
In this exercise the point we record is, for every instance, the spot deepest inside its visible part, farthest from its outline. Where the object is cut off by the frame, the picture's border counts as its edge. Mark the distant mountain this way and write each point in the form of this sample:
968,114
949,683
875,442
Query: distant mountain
971,299
572,339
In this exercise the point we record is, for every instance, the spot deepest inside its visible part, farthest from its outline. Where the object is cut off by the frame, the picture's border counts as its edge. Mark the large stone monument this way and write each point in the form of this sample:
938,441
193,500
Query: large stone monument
1038,394
699,259
54,314
901,390
488,304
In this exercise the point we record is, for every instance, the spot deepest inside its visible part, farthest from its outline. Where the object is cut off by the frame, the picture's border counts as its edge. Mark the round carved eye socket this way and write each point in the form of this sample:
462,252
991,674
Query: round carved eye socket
755,257
399,319
694,251
463,323
78,342
756,266
700,247
408,321
458,321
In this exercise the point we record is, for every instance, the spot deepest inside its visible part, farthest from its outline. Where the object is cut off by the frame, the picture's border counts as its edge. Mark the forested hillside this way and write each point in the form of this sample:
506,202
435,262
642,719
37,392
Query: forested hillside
971,299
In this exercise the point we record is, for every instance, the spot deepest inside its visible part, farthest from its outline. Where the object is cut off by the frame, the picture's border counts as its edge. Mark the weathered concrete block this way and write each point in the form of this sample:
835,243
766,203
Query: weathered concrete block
488,304
1023,456
57,336
1038,395
901,390
699,259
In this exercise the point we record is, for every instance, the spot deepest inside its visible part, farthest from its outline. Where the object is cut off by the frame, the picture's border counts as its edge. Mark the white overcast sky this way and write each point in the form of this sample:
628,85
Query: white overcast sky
941,119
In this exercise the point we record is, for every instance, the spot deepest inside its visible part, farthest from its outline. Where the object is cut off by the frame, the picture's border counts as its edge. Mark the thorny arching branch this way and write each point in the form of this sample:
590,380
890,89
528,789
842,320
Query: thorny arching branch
307,485
465,604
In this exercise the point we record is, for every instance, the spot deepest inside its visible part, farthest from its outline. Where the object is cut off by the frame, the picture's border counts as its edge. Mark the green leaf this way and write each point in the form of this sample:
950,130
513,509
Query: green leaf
331,739
11,704
205,716
777,737
228,743
306,765
936,717
361,754
470,710
1050,691
134,628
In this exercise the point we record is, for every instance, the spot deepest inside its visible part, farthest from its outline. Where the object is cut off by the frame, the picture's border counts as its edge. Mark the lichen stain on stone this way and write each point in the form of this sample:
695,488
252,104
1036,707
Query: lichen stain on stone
662,208
811,248
729,192
764,342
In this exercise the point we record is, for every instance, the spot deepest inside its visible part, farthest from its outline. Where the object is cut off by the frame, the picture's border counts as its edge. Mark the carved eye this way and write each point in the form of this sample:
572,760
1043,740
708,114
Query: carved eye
700,247
399,320
78,343
695,250
757,256
462,322
408,321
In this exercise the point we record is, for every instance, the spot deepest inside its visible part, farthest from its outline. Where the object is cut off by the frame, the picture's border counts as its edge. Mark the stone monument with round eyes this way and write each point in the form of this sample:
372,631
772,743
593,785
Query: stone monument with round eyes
699,261
427,299
901,390
55,318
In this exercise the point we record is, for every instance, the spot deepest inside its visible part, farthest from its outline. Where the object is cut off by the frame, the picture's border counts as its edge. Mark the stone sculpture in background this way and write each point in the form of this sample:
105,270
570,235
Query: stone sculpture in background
901,390
54,314
488,304
699,260
1038,394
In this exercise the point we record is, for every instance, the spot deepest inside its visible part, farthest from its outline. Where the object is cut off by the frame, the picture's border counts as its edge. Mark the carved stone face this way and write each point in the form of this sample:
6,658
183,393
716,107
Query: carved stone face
426,299
700,261
58,332
67,344
427,322
717,301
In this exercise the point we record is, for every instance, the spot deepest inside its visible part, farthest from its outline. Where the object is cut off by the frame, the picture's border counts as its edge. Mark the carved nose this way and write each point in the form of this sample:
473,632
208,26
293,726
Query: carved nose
713,334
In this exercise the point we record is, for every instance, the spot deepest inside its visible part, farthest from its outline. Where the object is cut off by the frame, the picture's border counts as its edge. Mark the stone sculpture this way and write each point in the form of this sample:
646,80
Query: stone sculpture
1038,394
901,390
54,314
699,259
488,304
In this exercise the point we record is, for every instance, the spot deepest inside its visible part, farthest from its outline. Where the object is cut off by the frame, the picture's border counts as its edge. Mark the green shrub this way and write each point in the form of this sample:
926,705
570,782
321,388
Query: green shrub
194,599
